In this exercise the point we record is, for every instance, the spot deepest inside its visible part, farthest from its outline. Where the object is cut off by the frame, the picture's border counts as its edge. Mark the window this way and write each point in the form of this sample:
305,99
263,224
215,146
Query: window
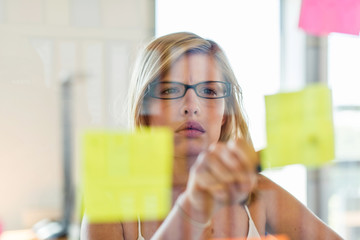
252,49
249,33
342,192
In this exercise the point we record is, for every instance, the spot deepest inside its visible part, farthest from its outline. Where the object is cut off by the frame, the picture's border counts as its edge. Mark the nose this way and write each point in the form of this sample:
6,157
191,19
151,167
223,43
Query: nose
190,105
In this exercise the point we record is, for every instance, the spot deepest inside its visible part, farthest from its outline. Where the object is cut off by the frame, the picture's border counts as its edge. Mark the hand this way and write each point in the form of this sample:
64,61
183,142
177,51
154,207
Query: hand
224,174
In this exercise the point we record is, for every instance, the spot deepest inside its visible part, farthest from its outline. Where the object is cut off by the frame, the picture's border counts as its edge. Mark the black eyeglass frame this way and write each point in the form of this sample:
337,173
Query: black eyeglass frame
187,87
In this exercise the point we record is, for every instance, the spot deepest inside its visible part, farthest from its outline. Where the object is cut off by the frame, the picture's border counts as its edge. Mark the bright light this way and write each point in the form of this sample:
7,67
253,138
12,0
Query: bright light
248,31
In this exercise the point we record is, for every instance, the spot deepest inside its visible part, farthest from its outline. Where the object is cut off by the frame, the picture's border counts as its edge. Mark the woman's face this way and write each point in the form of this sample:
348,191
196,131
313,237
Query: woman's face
196,121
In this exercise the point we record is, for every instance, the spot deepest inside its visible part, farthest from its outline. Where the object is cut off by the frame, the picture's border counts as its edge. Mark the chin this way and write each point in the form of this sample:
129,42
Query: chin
189,148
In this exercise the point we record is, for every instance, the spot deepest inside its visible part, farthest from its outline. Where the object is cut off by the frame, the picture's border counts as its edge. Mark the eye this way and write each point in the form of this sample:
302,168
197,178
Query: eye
167,91
208,91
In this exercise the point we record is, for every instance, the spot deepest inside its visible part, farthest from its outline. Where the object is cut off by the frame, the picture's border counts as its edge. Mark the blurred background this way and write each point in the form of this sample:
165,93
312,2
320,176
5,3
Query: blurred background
65,66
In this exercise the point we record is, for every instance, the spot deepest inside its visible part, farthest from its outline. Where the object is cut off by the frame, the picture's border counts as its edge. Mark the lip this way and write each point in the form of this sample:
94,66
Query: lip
191,129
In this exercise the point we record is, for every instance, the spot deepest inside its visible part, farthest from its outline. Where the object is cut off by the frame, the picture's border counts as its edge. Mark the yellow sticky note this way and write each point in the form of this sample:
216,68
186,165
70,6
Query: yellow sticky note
127,175
299,128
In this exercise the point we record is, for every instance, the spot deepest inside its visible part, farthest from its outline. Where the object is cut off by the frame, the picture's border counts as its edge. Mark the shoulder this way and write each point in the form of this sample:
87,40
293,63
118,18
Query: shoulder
265,183
287,215
269,190
264,191
276,200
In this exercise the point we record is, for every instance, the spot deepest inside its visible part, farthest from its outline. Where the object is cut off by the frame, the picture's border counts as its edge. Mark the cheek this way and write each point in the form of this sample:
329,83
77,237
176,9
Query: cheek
215,119
217,111
160,113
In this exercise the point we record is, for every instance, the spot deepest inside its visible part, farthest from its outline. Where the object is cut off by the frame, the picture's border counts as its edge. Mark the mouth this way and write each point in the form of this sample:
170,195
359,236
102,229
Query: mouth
191,129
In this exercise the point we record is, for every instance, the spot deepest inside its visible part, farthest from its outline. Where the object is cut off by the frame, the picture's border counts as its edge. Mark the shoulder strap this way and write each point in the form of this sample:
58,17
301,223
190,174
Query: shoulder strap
140,237
253,232
247,212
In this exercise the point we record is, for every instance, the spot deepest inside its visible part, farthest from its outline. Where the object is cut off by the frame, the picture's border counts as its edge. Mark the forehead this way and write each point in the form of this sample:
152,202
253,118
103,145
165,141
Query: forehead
193,68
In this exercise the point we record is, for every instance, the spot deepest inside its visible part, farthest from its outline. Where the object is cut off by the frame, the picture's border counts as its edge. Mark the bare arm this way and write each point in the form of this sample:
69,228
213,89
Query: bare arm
97,231
223,175
183,222
286,215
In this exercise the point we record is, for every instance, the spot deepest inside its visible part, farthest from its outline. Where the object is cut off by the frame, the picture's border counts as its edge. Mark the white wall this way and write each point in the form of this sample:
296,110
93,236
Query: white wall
38,40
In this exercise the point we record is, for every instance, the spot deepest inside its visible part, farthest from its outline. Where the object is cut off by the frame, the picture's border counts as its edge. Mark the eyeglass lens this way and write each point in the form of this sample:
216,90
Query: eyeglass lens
170,90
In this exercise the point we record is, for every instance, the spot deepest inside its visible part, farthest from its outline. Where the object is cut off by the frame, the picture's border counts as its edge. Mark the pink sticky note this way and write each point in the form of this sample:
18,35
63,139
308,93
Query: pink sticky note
321,17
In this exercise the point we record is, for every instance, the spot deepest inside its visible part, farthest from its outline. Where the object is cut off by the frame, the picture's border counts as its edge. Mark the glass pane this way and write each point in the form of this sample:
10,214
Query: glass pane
244,44
340,186
344,71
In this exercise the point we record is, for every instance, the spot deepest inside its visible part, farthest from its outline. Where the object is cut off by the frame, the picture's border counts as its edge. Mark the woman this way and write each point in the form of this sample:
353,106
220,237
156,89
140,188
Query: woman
185,82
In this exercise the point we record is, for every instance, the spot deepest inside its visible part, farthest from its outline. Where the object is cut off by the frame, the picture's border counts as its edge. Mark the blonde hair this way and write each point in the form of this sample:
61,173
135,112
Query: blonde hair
156,60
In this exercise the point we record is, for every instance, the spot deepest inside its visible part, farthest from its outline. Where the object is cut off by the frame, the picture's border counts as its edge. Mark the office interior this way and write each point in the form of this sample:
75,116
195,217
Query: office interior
65,67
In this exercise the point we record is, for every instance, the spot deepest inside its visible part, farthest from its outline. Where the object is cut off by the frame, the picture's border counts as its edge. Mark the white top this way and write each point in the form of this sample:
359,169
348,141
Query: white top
252,233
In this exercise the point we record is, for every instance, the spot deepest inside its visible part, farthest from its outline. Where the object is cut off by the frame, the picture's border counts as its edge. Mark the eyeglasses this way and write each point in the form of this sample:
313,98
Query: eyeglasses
174,90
